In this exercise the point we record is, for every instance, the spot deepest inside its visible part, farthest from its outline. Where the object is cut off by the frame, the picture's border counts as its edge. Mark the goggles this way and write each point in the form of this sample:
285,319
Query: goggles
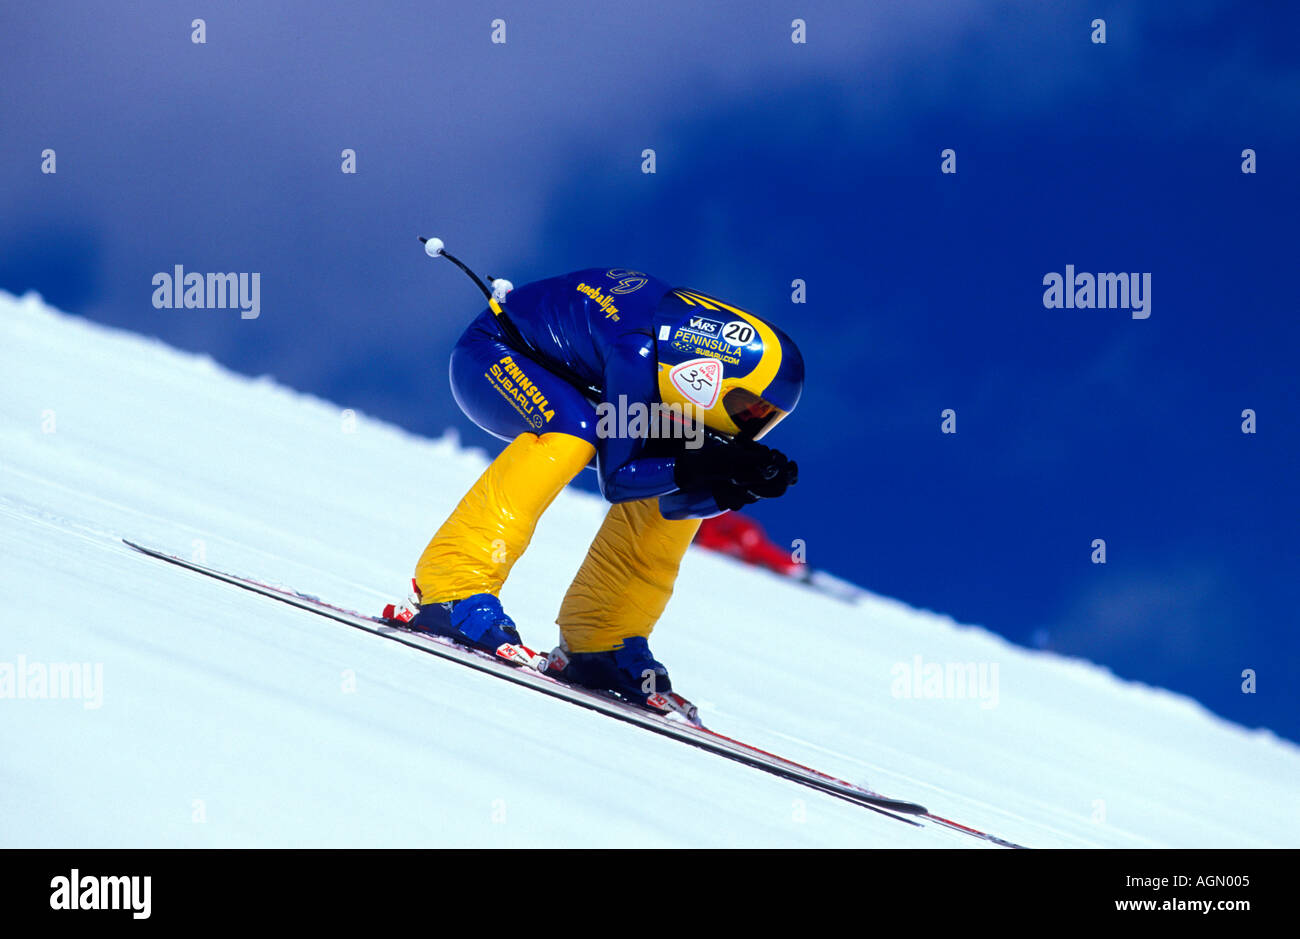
752,416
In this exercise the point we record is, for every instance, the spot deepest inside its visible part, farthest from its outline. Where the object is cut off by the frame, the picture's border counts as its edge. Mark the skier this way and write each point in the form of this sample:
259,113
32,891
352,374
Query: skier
739,536
561,371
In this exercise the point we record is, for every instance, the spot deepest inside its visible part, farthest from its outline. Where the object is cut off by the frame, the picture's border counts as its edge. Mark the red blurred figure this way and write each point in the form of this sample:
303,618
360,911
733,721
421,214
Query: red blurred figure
742,537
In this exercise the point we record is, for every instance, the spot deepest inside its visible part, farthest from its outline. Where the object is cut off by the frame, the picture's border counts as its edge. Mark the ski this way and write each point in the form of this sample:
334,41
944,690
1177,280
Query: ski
518,673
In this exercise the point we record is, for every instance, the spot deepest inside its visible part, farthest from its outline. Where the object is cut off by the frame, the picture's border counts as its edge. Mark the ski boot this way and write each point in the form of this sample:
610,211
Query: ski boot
477,621
629,672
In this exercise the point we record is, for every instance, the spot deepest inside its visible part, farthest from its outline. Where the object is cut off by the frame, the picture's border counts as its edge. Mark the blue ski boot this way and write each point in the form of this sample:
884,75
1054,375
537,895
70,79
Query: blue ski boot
477,621
629,672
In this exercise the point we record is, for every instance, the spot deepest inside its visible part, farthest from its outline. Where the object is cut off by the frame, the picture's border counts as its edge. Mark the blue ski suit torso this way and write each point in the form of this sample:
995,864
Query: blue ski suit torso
571,343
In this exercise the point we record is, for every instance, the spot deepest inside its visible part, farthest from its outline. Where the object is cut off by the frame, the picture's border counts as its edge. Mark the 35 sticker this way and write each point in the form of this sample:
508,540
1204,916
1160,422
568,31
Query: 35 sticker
698,380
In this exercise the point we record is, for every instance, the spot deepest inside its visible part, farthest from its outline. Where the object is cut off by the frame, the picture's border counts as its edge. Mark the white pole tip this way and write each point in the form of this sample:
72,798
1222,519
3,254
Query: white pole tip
433,247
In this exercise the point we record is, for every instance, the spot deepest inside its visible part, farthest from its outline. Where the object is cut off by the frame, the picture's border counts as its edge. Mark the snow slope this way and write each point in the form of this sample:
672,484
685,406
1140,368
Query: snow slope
226,719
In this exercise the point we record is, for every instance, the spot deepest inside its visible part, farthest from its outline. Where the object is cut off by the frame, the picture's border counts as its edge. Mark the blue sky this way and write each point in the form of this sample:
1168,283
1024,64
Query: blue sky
775,161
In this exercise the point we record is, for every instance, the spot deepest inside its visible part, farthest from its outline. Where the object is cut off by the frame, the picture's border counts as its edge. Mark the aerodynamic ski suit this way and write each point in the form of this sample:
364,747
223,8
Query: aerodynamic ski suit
534,374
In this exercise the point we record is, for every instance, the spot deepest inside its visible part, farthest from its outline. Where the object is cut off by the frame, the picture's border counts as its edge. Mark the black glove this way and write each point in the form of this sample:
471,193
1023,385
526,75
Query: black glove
741,462
731,497
787,475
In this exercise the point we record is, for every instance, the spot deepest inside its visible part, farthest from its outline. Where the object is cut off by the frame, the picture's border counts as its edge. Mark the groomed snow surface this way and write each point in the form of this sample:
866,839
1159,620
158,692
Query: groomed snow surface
225,719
